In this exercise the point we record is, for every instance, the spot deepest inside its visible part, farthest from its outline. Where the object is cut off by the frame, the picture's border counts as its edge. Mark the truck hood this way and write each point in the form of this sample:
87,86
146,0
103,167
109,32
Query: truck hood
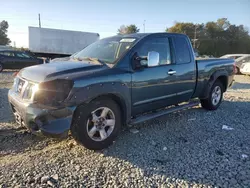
45,72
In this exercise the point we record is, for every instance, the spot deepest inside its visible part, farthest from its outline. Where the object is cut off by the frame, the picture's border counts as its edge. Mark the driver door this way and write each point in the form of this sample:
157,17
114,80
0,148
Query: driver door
153,87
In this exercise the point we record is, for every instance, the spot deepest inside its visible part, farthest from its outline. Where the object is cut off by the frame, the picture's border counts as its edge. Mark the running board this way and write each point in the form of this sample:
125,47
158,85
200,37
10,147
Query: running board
153,115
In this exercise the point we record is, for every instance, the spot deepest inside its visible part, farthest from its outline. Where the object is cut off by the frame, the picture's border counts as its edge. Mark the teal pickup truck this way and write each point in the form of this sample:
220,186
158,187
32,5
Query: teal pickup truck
125,79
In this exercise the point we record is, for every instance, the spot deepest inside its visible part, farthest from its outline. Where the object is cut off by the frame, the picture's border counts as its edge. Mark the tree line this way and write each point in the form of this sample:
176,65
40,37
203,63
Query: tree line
211,38
4,40
215,38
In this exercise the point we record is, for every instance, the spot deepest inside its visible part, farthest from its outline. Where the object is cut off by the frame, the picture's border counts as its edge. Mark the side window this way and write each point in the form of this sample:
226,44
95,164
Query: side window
22,55
25,55
18,54
182,52
8,54
160,45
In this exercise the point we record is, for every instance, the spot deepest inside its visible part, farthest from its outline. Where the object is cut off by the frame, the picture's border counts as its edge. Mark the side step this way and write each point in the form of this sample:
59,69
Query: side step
153,115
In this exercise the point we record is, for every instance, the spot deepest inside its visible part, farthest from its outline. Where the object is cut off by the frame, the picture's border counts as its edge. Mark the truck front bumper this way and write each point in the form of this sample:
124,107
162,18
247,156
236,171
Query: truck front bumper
37,118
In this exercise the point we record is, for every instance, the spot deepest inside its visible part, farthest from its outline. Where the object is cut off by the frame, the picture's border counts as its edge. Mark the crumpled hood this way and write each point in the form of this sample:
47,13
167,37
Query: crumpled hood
44,72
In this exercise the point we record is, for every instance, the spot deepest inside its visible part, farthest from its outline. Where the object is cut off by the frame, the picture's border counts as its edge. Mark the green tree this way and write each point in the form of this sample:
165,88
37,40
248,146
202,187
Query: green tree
215,38
185,28
193,31
128,29
4,40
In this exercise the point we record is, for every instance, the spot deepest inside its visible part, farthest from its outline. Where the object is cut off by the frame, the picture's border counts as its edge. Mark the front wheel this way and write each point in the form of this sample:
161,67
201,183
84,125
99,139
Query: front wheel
215,97
97,124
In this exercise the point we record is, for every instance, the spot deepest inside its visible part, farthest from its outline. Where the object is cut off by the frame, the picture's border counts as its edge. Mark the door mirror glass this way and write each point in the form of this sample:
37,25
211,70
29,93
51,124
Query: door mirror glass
153,59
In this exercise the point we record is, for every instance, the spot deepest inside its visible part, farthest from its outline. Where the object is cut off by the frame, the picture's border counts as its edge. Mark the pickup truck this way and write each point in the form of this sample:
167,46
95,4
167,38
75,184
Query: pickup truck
125,79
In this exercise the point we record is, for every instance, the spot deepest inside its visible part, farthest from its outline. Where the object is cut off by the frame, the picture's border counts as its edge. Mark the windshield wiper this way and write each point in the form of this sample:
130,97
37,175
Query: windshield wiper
92,59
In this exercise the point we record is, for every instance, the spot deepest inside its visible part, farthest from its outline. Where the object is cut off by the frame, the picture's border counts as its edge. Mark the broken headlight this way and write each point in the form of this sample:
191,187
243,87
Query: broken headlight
53,92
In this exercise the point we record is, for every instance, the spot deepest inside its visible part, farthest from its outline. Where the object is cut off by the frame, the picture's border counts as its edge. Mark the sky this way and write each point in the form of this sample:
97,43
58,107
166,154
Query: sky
106,16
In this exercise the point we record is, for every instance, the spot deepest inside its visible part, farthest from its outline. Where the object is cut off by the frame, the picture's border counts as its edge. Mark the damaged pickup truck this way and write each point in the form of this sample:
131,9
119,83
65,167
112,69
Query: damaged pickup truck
125,79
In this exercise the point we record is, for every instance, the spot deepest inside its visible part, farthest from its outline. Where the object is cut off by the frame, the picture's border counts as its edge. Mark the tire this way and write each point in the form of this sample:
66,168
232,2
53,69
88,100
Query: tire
87,129
210,103
1,67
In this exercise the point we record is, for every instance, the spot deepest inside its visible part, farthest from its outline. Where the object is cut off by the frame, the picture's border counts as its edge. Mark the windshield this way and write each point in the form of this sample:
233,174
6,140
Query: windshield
106,50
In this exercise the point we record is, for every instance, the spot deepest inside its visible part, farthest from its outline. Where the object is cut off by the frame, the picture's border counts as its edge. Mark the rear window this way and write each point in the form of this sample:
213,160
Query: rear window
182,50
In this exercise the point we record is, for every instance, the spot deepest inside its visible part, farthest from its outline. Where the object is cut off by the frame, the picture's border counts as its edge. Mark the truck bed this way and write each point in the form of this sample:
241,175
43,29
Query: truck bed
207,67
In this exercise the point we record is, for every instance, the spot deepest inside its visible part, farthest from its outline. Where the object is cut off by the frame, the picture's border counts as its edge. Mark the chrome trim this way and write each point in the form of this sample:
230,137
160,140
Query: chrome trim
171,72
24,88
184,92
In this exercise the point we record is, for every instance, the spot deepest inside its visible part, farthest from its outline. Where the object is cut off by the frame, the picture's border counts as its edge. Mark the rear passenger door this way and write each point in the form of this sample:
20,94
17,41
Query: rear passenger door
185,67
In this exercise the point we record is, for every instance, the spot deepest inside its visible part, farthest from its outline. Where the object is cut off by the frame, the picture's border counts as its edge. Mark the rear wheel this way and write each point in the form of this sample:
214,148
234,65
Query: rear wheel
97,124
1,67
215,97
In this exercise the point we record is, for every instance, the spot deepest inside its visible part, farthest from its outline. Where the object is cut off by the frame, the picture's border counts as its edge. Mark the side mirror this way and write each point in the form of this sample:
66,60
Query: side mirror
153,59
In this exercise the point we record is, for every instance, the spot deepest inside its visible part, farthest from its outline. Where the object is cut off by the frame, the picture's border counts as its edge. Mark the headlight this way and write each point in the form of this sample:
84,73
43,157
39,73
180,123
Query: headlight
30,91
15,83
52,92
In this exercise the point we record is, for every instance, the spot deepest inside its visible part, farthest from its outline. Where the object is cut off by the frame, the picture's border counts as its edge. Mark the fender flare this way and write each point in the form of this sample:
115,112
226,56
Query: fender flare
81,96
211,81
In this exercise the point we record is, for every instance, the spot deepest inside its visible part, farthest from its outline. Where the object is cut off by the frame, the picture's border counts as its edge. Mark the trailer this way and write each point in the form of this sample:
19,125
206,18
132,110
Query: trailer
52,43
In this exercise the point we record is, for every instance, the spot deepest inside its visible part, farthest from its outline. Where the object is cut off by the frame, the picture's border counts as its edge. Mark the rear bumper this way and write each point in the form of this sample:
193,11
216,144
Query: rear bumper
37,118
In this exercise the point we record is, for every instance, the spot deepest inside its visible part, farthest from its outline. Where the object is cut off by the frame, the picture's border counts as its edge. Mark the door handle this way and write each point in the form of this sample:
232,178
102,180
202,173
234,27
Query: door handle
171,72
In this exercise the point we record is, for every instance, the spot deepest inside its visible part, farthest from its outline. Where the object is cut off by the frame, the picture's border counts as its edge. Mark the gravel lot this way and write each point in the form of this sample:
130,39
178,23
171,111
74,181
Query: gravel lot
186,149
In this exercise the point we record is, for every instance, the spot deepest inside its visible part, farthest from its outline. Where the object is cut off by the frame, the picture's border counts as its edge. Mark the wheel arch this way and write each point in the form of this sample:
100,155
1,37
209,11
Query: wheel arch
222,76
224,80
116,98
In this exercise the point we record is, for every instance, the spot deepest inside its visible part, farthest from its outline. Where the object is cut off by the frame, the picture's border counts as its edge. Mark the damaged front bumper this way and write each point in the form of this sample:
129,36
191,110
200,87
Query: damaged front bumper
37,118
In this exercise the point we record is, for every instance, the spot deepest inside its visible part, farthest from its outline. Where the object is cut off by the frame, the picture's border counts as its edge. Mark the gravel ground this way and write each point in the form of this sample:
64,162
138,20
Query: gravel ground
185,149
